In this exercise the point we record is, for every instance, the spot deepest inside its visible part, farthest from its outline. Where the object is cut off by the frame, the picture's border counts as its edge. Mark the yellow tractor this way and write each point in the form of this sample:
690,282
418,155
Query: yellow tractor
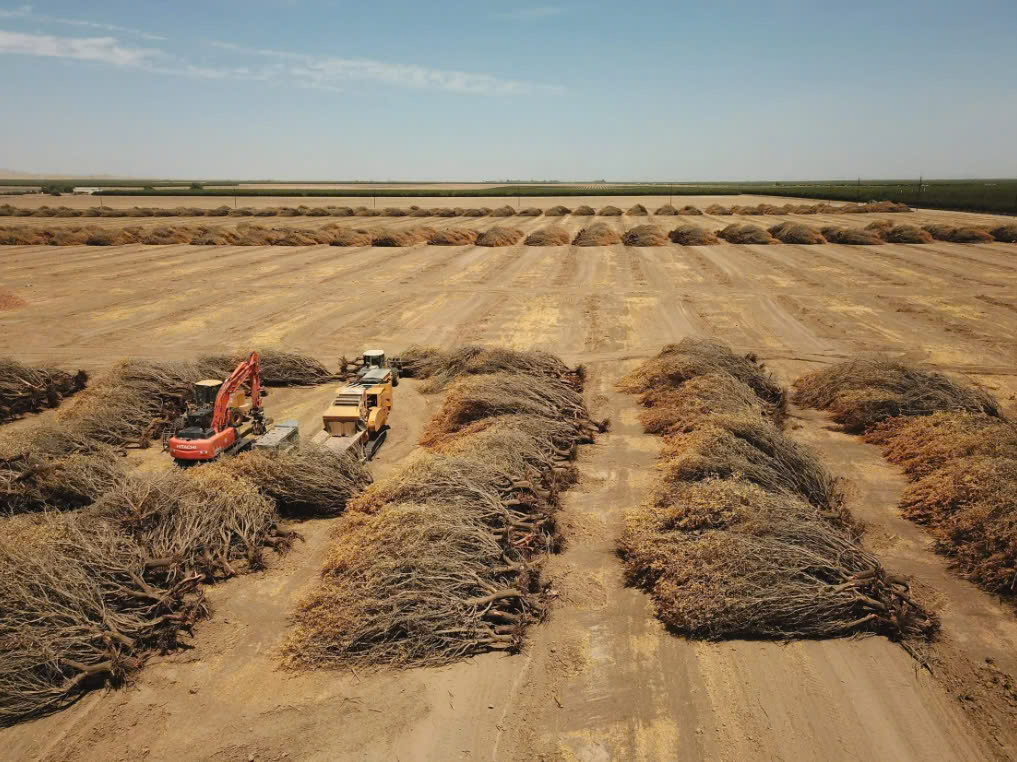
357,419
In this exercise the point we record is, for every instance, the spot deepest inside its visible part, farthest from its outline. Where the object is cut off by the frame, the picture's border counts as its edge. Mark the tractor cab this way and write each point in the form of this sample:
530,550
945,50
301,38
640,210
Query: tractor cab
196,422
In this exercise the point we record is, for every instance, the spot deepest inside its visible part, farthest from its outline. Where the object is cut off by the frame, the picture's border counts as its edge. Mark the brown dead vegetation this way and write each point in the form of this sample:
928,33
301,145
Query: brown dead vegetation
893,233
862,392
745,233
531,211
958,234
597,234
500,236
851,236
549,236
557,211
718,209
476,212
27,389
745,535
954,445
690,211
692,235
504,211
584,211
667,209
440,367
610,211
645,235
443,559
410,237
795,232
1005,233
454,237
637,210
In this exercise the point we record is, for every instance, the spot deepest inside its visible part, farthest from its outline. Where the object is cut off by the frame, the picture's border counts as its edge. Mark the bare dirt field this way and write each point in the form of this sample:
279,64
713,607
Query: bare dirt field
601,679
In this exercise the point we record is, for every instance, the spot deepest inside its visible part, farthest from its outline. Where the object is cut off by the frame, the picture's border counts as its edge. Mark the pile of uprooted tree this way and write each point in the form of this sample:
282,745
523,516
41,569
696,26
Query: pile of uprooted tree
101,565
746,534
954,443
443,559
28,389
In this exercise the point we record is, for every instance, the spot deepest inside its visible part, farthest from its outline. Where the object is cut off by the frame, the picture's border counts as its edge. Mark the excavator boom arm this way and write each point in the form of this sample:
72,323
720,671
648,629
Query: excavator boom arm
247,370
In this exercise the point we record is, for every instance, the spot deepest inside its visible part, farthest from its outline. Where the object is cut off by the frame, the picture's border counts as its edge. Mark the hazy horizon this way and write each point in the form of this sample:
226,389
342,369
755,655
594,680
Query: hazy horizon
458,92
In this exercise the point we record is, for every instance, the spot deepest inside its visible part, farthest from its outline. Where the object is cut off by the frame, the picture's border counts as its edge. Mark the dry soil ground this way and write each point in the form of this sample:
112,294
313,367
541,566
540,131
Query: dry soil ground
601,679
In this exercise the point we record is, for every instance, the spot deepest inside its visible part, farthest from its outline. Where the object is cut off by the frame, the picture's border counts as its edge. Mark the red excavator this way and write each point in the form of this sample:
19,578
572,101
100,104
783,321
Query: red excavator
220,420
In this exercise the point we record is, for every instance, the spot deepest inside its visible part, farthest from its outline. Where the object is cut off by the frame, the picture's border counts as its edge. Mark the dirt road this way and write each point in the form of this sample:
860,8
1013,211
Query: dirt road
601,679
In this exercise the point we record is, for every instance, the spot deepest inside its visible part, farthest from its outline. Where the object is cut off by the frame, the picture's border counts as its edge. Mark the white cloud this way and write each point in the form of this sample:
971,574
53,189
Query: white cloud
25,12
329,72
283,68
532,14
104,49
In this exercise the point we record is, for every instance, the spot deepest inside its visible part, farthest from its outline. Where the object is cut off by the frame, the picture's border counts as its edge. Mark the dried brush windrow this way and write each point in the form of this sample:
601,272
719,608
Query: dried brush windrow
43,472
440,367
412,585
864,391
473,398
726,558
78,609
26,389
442,559
754,449
202,522
746,535
306,481
692,357
278,367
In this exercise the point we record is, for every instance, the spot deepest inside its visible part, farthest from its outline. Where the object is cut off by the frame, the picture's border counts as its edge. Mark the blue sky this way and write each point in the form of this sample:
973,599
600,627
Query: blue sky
335,89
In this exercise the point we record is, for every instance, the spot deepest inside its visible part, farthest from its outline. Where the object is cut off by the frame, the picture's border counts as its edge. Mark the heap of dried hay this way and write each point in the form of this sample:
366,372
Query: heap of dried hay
637,210
718,209
79,607
352,237
584,211
549,236
597,234
851,236
864,391
442,560
446,212
644,235
341,211
746,535
610,211
693,357
958,234
692,235
392,211
454,237
363,211
771,209
558,211
306,481
409,237
884,207
440,367
481,212
752,211
746,233
500,236
1005,233
892,233
690,211
667,209
531,211
26,389
418,212
504,211
795,232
